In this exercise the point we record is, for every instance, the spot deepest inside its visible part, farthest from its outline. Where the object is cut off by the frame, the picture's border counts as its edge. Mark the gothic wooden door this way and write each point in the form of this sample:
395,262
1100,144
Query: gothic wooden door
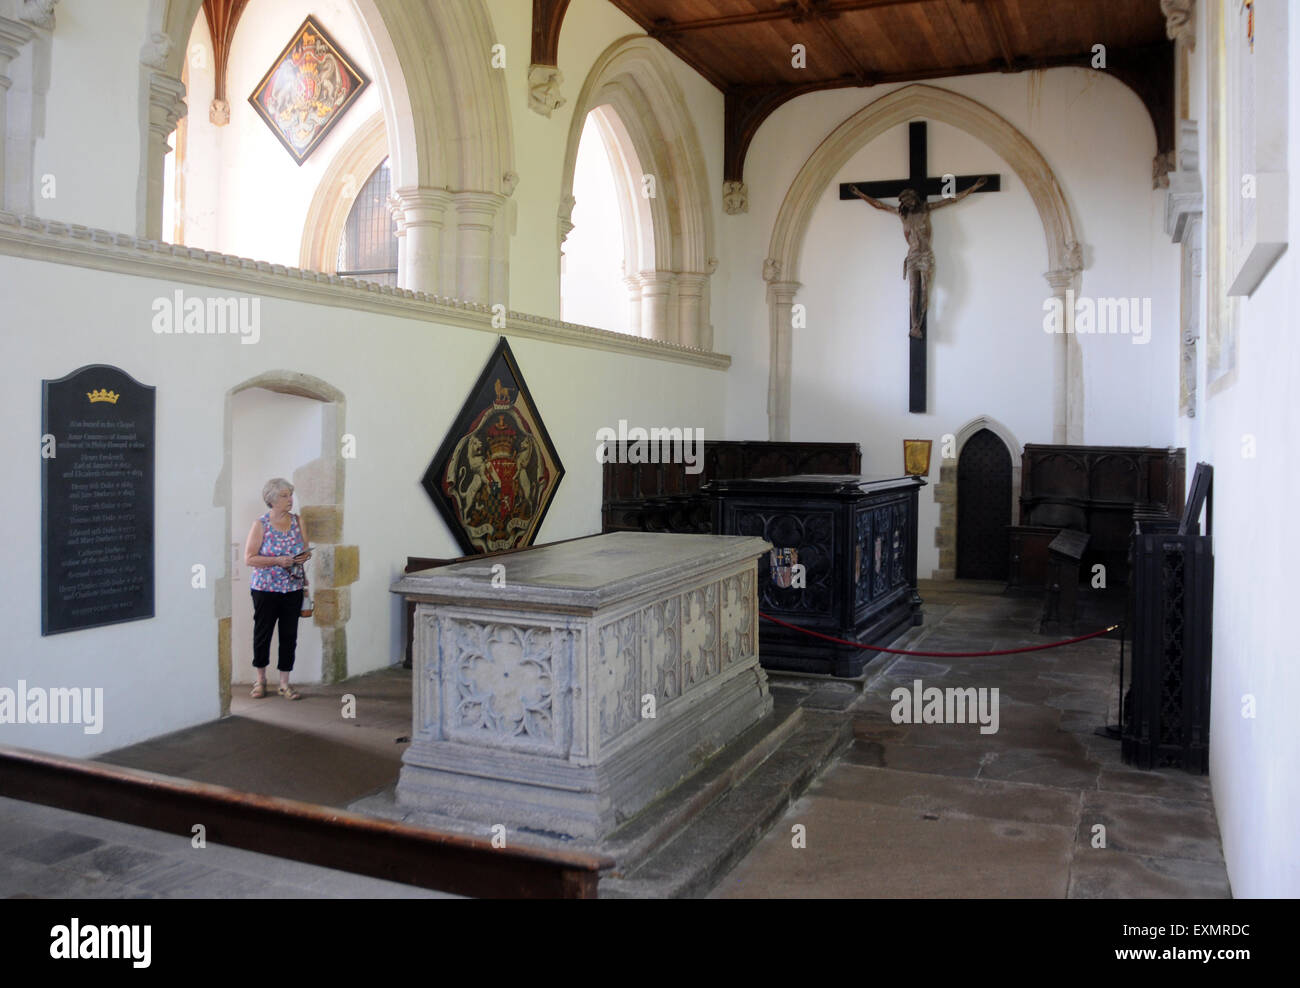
983,507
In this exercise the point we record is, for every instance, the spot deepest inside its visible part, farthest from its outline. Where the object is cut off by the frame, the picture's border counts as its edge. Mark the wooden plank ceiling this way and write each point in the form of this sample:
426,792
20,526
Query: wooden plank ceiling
744,47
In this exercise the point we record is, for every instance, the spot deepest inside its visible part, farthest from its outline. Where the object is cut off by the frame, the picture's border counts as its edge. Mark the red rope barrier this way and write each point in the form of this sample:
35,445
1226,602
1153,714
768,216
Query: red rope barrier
934,655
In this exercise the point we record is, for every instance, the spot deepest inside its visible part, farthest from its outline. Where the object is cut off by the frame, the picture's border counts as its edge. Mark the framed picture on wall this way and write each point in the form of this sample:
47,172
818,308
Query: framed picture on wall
497,470
307,89
916,457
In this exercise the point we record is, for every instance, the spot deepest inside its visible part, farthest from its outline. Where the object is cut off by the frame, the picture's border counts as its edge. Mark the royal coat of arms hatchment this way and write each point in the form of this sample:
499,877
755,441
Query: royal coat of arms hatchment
307,89
497,470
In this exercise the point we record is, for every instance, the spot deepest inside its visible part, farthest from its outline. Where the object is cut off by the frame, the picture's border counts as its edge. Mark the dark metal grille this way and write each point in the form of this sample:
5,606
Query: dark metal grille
983,507
368,247
1171,688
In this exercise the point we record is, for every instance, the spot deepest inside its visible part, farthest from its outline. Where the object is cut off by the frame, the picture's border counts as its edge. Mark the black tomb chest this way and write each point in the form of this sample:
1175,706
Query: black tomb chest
855,539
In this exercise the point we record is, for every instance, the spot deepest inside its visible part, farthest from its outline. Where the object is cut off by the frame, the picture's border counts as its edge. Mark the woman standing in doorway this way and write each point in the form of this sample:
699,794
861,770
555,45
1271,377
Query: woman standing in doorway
276,551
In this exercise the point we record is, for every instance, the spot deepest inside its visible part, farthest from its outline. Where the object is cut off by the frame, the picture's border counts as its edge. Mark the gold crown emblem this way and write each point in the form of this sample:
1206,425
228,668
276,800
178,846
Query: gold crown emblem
103,395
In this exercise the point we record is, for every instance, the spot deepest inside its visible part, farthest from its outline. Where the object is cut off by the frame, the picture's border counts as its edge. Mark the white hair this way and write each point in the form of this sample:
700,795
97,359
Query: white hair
273,487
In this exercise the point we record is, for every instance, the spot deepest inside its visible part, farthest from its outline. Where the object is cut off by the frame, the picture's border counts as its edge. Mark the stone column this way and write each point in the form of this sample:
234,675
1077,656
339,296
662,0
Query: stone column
14,35
166,107
690,310
780,302
1067,412
419,214
656,289
633,282
476,215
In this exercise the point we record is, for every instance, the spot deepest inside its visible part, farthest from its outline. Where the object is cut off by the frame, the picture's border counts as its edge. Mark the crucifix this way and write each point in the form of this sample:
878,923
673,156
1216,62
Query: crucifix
914,210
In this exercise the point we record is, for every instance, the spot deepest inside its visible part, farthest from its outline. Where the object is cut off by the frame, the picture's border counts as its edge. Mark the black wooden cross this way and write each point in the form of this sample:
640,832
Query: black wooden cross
925,186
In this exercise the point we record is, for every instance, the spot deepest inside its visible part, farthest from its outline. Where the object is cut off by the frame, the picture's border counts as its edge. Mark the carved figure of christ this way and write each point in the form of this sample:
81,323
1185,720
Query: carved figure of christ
919,263
914,210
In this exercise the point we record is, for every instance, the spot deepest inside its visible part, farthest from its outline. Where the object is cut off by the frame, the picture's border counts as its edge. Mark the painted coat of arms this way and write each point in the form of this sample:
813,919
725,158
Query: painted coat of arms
497,470
308,88
783,562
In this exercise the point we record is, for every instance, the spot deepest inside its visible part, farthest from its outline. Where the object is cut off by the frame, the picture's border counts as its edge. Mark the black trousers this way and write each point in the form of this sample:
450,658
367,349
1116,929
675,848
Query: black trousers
271,609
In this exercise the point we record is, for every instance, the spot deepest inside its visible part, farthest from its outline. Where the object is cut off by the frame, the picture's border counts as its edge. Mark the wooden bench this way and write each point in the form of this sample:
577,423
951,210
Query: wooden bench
287,828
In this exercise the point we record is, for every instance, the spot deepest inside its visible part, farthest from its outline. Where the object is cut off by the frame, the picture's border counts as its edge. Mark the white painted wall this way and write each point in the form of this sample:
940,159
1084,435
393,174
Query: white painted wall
92,142
403,382
988,352
272,436
1253,760
591,279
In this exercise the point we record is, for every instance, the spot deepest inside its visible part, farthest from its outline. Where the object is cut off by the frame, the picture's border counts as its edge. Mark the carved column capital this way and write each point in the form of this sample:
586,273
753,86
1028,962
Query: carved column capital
477,209
566,217
166,104
783,292
417,205
13,36
544,83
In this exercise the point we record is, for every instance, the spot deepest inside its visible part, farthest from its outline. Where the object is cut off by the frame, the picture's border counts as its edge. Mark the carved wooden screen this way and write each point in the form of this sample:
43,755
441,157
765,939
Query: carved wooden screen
983,507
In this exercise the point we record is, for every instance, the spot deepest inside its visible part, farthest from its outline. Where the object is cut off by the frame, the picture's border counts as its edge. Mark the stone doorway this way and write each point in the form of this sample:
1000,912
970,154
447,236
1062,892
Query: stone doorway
319,490
983,507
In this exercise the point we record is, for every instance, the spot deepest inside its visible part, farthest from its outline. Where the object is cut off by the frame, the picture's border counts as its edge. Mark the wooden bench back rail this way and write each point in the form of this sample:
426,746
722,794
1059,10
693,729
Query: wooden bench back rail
319,835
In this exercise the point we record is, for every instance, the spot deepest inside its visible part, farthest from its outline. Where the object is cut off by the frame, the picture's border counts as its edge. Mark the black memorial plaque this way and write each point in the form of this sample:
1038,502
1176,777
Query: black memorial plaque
97,500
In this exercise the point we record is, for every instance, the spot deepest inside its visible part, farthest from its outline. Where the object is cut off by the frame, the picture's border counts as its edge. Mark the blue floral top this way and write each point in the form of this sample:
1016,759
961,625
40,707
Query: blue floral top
278,579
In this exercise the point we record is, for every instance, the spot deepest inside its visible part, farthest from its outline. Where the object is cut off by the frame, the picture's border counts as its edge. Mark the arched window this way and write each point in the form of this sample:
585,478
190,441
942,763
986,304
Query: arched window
368,247
596,272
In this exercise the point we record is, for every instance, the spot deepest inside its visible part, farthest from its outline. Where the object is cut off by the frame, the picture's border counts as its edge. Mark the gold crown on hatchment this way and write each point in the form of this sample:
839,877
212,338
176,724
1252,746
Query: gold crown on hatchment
102,394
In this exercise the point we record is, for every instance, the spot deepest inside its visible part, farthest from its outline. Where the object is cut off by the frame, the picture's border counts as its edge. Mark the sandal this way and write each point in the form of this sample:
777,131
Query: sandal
259,691
289,693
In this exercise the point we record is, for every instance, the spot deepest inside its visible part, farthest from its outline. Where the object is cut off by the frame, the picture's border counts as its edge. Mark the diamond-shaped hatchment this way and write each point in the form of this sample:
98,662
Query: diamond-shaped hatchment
497,470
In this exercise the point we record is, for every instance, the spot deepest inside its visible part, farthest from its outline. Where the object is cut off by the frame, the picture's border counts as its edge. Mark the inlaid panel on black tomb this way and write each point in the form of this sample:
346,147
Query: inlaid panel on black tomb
811,534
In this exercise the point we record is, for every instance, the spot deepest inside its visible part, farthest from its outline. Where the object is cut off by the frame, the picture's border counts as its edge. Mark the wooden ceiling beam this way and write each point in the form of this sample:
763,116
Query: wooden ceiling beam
785,12
1147,70
548,18
992,15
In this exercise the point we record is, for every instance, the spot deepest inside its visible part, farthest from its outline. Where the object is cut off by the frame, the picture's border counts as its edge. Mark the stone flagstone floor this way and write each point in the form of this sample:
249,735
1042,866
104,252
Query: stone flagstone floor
931,810
908,811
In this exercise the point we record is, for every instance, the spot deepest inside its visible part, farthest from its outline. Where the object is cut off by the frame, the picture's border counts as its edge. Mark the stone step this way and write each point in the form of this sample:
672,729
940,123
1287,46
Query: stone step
720,835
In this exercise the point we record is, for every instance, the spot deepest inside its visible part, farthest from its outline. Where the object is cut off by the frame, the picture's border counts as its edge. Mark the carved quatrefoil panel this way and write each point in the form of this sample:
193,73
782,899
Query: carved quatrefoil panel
498,684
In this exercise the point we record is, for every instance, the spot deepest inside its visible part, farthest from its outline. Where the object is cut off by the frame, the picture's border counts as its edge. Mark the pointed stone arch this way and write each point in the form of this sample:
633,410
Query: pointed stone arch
447,120
946,492
1064,256
654,128
346,175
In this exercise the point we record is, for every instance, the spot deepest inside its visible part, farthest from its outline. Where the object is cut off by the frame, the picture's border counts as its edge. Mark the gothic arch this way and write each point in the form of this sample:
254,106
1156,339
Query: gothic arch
445,112
347,173
946,491
781,269
655,130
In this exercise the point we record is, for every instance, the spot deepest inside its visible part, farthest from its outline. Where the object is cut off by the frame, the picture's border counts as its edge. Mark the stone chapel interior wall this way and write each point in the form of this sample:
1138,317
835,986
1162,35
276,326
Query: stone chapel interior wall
988,354
1253,758
403,381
